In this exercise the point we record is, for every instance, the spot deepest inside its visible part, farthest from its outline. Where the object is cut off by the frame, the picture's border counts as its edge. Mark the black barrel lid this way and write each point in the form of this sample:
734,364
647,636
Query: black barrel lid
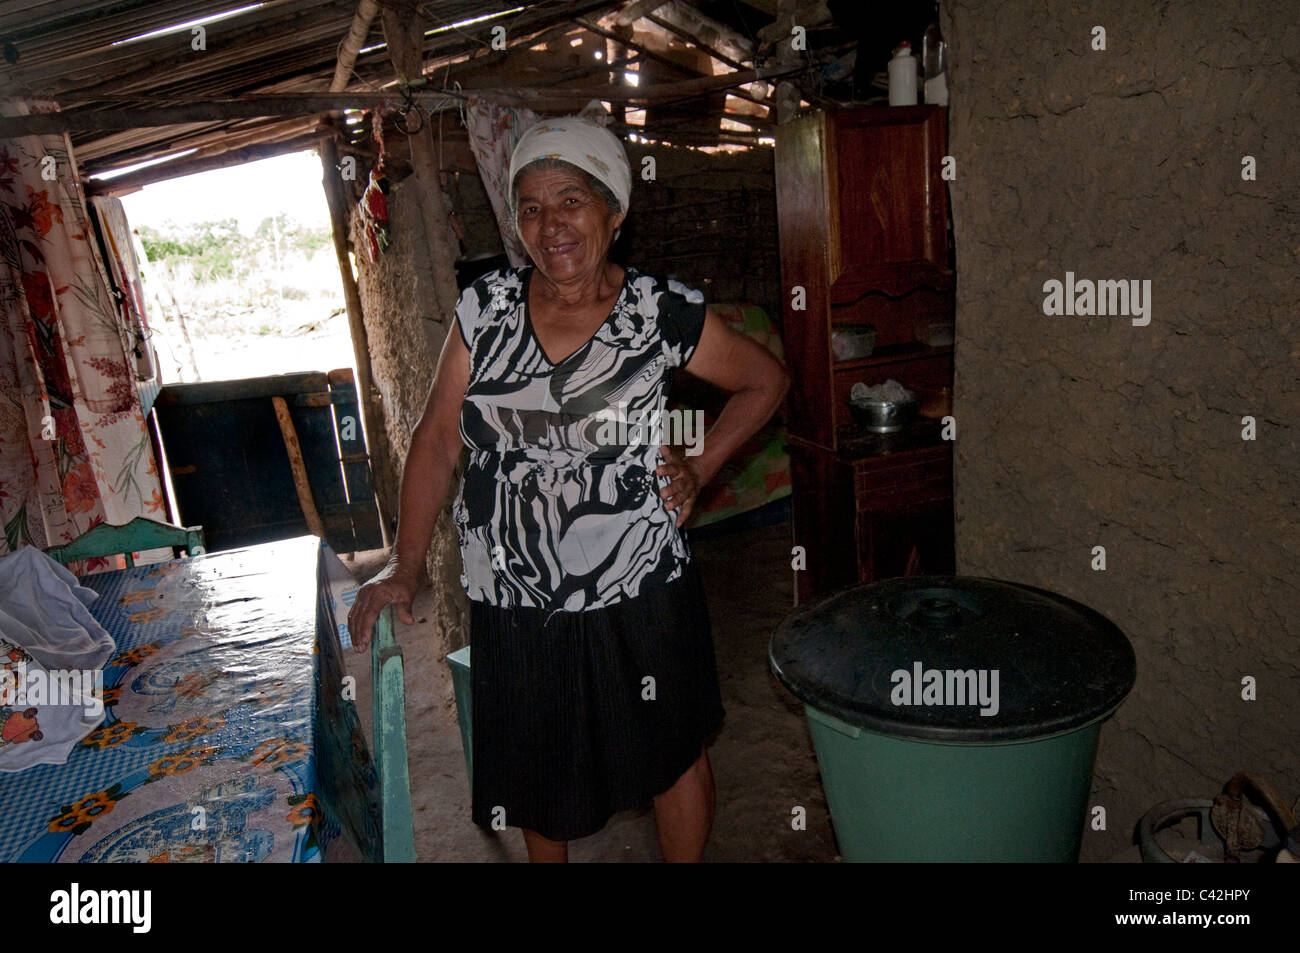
857,653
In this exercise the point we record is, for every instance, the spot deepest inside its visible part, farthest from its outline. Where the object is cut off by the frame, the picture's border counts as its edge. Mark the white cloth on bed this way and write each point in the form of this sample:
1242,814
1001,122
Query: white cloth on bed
51,651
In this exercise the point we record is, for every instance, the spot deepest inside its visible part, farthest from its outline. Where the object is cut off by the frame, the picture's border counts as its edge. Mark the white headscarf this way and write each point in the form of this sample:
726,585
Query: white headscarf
581,143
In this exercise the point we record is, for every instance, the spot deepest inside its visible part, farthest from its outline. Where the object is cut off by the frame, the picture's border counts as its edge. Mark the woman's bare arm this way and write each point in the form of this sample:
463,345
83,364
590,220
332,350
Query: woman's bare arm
426,485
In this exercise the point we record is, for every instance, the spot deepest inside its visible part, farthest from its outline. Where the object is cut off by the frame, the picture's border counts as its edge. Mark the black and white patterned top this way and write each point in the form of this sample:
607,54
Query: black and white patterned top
553,510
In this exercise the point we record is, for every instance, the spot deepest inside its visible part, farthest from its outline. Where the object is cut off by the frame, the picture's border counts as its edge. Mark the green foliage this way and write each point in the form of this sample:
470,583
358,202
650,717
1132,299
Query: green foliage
217,250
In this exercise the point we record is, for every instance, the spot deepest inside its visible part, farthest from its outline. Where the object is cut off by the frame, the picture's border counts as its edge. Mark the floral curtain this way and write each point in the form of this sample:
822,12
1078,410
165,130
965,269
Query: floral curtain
74,449
494,132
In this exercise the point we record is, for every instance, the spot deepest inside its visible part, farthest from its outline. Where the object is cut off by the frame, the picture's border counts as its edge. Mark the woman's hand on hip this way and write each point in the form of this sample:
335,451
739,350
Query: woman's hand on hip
391,585
680,494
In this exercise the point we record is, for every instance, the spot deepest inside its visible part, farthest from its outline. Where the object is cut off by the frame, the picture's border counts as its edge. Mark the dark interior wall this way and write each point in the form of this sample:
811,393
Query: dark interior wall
1076,432
709,220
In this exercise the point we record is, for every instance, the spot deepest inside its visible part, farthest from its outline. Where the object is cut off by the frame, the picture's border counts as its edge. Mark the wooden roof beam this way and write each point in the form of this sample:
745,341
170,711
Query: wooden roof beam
135,112
189,165
376,65
694,41
717,39
787,13
125,149
635,11
660,58
362,20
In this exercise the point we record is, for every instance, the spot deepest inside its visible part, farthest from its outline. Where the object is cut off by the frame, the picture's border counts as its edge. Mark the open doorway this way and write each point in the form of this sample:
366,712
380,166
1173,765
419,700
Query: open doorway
254,410
239,272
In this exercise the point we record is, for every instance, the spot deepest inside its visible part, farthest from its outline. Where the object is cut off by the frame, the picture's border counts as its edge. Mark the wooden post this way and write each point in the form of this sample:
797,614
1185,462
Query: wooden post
404,31
371,412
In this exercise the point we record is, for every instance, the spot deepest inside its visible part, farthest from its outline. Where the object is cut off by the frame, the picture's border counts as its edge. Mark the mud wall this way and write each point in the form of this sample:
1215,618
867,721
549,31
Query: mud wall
1075,431
405,337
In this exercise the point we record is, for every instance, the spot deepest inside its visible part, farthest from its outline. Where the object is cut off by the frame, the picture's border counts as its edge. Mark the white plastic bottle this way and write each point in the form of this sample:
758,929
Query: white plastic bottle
902,76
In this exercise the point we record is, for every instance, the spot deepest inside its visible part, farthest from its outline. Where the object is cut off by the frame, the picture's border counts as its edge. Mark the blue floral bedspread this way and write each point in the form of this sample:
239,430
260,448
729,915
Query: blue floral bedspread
228,732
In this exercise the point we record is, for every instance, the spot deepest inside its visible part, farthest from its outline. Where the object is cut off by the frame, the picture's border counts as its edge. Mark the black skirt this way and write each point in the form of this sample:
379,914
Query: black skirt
592,713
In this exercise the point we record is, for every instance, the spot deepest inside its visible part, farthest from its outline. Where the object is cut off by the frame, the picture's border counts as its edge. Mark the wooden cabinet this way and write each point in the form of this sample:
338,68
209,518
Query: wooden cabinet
888,223
863,222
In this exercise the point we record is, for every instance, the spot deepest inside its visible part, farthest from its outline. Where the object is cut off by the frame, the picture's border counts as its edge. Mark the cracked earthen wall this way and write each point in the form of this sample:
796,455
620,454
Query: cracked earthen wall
1076,432
406,335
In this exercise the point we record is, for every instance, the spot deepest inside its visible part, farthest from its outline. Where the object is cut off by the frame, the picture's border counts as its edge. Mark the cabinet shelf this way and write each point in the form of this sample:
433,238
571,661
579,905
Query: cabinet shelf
896,279
891,354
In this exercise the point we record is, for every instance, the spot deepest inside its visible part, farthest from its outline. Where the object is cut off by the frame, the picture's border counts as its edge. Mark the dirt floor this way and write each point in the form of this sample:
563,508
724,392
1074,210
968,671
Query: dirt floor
763,761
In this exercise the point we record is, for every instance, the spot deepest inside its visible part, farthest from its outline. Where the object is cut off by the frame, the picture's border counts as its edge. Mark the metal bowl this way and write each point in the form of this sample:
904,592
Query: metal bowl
883,416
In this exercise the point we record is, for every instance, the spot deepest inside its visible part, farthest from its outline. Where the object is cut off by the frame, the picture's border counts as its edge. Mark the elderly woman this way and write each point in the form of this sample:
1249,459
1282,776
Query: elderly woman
594,686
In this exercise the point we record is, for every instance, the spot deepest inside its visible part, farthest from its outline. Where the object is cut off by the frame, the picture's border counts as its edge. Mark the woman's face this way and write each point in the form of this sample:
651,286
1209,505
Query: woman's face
566,226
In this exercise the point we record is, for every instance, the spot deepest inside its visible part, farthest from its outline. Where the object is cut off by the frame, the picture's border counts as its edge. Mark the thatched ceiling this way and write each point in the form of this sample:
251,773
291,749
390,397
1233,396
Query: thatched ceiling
107,63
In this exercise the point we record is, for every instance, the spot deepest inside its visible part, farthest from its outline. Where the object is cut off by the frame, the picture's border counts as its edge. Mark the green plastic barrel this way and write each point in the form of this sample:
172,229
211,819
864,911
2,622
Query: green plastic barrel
460,683
954,719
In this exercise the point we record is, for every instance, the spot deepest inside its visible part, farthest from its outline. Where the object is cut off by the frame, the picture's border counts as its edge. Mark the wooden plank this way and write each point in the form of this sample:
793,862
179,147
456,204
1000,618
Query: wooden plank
349,783
145,111
355,460
319,439
658,57
255,34
348,509
133,537
388,691
207,392
201,140
682,33
155,445
215,487
76,26
300,481
440,51
807,256
822,495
